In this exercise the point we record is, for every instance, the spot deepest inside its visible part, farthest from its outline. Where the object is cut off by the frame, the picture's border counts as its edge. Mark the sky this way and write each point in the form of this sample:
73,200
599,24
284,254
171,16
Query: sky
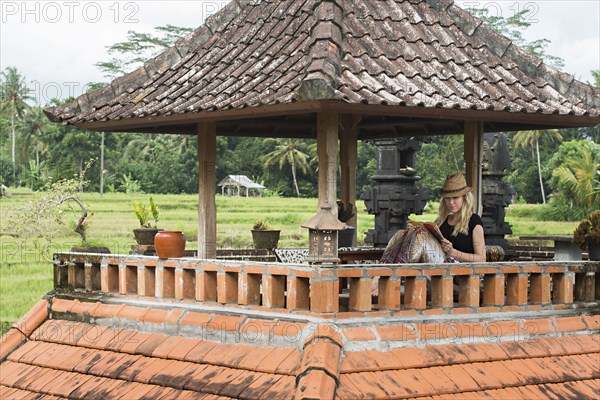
55,44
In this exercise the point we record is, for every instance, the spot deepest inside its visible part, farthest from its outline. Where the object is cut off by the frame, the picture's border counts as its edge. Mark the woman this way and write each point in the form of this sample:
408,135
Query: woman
462,230
461,227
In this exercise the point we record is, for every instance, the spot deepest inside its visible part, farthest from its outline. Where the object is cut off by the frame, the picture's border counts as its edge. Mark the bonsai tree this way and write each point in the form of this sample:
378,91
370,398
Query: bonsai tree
143,212
41,217
588,231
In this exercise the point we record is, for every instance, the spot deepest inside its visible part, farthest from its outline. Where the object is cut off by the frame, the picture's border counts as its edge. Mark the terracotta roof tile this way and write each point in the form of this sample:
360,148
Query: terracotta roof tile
182,349
356,361
260,386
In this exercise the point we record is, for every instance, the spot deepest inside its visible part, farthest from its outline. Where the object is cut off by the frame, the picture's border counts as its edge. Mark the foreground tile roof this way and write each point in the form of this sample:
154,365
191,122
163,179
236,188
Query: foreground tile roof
412,54
66,348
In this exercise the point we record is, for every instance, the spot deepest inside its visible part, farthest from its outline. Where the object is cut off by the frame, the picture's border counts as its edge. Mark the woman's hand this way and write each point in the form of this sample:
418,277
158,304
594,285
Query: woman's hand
447,246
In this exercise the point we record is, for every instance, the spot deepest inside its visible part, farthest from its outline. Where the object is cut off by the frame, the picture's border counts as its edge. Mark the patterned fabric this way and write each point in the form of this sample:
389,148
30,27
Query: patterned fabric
414,245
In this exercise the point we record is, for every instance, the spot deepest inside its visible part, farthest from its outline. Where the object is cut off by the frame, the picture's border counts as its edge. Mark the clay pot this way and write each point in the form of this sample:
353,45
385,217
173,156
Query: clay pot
169,244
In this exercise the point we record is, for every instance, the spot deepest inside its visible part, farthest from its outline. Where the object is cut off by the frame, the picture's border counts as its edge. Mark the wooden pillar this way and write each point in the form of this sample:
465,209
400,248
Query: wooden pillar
473,149
327,148
348,160
207,210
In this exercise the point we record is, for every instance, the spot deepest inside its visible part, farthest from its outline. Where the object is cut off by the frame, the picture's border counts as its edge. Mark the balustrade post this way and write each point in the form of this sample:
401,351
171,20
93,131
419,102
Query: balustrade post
227,287
360,294
442,291
415,292
563,288
389,293
324,295
493,290
516,289
468,290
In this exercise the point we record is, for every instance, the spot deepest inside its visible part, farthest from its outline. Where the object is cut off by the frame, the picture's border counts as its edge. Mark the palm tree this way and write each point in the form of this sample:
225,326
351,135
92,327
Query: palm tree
33,126
578,174
13,94
287,152
525,139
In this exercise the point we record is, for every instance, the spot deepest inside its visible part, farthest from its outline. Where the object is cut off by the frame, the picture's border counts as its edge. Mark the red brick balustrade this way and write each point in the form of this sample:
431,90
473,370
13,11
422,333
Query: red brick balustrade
348,290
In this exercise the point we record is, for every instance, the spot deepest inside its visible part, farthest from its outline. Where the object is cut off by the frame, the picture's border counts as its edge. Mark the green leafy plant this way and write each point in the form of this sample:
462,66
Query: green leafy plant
260,225
345,211
588,230
144,211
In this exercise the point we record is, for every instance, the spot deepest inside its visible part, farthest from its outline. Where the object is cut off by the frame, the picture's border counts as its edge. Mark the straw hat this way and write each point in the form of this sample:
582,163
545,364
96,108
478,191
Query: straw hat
455,185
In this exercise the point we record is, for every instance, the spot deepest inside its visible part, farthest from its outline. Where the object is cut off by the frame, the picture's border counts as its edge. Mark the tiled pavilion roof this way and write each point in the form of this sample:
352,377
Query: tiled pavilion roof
411,55
97,350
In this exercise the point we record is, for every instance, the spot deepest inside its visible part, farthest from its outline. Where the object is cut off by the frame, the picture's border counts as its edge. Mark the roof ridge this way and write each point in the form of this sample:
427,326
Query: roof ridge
320,80
506,50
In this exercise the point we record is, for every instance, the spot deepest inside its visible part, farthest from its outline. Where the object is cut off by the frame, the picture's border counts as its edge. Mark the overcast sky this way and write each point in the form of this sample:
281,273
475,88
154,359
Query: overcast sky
55,44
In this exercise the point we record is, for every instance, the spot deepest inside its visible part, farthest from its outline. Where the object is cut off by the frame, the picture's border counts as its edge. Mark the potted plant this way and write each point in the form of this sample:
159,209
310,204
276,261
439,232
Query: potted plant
345,214
144,235
587,235
263,236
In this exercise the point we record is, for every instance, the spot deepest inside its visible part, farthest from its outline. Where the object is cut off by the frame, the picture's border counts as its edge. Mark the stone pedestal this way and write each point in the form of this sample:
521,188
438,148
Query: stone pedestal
497,194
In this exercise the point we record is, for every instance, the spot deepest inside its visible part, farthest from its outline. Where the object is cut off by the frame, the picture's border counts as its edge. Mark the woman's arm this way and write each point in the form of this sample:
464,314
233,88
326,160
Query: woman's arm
478,247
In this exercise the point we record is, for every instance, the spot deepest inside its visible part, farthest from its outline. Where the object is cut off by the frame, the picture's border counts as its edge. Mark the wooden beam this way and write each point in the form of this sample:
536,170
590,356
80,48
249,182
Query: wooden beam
526,120
348,160
473,153
207,210
327,150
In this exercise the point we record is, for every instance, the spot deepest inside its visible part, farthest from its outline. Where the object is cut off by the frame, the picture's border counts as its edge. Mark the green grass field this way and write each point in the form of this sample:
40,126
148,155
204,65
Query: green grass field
26,268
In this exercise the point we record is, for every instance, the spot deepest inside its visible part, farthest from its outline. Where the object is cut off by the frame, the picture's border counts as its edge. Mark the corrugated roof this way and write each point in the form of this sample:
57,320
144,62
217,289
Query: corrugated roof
114,350
240,180
421,54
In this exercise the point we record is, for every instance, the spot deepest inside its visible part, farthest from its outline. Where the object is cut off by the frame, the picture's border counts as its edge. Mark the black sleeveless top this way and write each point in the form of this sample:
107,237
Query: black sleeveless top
462,242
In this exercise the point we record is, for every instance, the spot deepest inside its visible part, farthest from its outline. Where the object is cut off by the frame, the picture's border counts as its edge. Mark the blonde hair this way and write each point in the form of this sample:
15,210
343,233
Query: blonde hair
465,214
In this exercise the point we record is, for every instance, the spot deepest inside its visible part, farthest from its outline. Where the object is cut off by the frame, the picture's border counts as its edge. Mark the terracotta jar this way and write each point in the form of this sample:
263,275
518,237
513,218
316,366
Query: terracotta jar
169,244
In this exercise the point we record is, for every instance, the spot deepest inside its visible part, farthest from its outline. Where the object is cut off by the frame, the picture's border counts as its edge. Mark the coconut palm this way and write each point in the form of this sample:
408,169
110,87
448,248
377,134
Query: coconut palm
13,94
526,139
33,126
287,152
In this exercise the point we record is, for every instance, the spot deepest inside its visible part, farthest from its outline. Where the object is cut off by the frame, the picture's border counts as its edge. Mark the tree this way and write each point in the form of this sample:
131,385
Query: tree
513,27
33,127
139,47
526,139
575,168
287,152
578,176
13,95
596,75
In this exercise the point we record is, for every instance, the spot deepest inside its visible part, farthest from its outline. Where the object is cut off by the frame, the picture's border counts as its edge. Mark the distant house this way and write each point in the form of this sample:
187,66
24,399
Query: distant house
233,184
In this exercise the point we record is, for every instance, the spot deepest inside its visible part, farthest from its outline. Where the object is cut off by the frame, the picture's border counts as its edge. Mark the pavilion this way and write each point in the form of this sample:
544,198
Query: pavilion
125,326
